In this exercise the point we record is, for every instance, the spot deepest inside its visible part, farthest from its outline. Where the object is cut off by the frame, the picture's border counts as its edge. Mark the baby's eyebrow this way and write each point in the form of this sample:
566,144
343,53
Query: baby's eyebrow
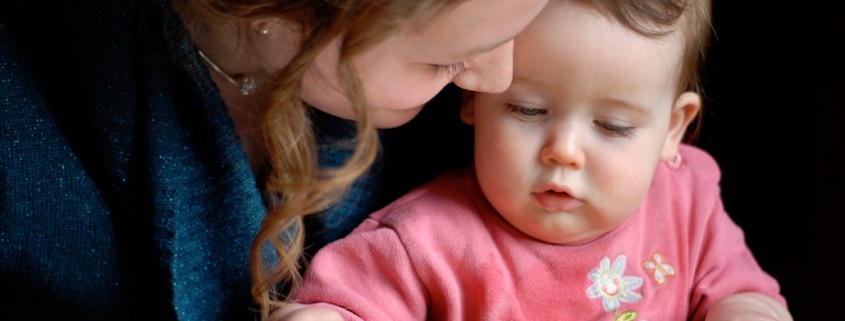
622,103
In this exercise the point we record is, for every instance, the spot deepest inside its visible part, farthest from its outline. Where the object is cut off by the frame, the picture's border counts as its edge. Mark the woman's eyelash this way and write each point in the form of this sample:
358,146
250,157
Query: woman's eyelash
450,70
616,130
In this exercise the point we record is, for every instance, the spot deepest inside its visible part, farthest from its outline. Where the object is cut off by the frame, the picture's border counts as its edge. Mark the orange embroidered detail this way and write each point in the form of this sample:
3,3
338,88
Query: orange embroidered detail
660,270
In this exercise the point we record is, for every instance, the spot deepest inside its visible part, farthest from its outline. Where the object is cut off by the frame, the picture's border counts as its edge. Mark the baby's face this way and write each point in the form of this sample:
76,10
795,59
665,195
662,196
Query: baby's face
569,150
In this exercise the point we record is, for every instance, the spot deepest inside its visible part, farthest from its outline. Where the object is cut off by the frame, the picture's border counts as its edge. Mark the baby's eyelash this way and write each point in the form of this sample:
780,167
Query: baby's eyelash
526,111
450,70
616,130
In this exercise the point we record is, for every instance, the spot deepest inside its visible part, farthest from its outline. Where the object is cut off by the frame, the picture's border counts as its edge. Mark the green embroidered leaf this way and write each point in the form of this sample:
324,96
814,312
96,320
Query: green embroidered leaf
629,315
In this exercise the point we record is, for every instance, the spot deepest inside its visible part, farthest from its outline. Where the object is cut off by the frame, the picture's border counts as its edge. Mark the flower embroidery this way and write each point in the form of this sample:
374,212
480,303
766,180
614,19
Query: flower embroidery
611,286
659,269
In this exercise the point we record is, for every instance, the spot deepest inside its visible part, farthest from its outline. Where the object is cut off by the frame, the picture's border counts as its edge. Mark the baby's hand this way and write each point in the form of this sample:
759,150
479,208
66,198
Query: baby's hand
749,307
298,312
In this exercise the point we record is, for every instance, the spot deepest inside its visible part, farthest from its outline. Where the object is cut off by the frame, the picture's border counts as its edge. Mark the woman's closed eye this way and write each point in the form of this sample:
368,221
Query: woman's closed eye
450,70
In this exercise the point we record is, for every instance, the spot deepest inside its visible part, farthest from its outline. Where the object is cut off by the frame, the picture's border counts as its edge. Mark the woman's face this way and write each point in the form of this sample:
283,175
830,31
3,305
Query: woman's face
470,44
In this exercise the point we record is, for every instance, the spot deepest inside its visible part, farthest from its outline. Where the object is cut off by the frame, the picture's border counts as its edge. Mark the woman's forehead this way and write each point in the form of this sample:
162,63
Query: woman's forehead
472,26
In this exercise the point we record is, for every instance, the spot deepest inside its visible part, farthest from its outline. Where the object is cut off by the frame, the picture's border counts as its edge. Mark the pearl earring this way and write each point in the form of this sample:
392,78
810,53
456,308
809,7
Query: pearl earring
263,29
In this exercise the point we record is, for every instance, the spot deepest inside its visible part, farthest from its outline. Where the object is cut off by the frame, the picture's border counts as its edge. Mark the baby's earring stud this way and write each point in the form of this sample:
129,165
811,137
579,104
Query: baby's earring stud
675,163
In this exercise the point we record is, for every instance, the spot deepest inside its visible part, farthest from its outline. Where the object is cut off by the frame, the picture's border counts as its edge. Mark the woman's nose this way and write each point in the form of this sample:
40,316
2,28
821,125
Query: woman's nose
489,72
562,148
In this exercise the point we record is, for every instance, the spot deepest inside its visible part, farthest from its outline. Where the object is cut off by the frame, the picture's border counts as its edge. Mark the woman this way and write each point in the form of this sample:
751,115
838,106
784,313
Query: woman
136,172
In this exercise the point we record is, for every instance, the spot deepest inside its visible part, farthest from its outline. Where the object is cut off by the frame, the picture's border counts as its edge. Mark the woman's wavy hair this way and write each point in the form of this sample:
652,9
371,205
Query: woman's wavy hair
658,18
295,184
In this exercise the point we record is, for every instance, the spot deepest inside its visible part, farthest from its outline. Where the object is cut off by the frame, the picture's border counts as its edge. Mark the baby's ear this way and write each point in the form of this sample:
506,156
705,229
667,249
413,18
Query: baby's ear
468,108
683,112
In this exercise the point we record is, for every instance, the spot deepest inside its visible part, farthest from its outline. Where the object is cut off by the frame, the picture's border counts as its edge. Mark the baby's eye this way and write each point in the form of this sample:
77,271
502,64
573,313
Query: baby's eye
615,130
526,112
451,70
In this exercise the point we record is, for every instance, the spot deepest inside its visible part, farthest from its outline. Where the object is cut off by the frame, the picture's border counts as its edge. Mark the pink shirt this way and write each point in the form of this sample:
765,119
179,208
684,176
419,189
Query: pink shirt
442,253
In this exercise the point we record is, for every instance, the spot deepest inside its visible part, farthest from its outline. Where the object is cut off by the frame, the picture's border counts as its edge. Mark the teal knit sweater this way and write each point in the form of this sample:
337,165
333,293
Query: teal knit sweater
124,192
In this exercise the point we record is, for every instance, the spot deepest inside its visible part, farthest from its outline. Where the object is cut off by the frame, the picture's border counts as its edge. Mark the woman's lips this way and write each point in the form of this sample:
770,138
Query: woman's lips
557,201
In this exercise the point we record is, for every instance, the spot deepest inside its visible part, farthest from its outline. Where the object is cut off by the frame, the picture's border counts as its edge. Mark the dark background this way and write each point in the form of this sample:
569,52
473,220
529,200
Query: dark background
775,122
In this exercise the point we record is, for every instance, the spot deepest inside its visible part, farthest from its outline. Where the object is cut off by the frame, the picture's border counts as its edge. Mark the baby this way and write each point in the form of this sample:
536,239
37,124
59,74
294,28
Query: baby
583,204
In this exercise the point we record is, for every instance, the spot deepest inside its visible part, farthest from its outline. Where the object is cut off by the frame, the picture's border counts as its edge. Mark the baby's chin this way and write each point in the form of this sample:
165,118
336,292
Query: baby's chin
569,237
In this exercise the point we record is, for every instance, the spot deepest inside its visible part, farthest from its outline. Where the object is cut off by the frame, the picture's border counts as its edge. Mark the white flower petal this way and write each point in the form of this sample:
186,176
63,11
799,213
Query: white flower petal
631,282
594,275
668,269
630,297
604,264
659,277
619,264
593,292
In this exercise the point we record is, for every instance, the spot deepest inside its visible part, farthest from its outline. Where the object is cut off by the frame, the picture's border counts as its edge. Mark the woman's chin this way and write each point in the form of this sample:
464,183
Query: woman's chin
390,118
